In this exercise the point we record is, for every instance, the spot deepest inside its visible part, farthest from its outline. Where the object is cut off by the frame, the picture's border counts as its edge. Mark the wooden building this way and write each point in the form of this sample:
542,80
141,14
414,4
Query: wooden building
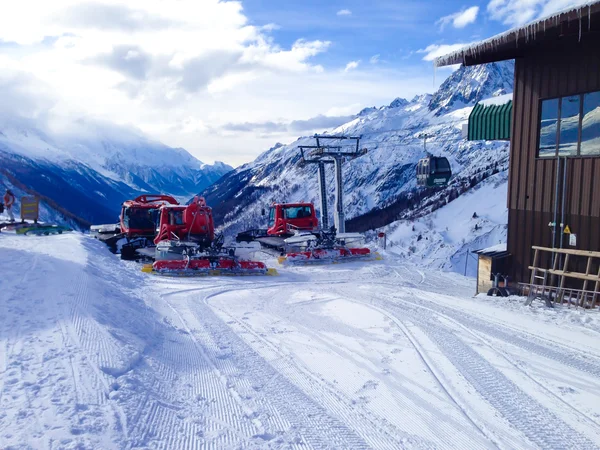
554,172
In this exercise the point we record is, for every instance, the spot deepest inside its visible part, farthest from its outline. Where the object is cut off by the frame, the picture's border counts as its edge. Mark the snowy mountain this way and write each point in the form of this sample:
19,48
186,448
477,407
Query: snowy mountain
469,86
379,187
91,167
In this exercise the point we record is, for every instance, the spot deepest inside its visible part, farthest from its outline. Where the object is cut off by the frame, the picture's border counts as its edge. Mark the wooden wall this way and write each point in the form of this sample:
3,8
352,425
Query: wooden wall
544,72
484,274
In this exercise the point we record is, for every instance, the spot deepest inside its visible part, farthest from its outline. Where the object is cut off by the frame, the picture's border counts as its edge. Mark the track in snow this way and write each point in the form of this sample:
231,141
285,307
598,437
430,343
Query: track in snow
541,426
377,431
521,412
229,390
339,357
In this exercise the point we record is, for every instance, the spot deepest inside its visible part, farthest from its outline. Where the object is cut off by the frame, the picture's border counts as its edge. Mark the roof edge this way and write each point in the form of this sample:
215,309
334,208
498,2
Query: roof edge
512,36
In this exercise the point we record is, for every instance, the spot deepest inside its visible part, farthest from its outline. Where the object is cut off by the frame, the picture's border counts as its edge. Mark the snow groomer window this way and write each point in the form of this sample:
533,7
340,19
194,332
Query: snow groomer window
570,126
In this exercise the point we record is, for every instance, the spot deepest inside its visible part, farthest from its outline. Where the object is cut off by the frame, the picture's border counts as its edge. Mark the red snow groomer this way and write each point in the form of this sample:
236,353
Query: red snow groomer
136,227
139,216
193,222
293,233
186,245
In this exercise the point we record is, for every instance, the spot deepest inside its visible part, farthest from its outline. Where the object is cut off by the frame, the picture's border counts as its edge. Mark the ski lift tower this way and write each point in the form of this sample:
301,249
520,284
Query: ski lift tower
332,154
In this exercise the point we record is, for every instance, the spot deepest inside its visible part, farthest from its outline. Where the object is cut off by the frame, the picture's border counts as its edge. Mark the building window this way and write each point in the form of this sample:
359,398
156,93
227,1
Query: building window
590,124
570,126
548,127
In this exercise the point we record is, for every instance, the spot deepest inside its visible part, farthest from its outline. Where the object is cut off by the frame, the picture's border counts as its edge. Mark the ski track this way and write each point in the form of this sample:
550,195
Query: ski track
483,339
277,405
47,385
539,424
367,425
196,371
568,356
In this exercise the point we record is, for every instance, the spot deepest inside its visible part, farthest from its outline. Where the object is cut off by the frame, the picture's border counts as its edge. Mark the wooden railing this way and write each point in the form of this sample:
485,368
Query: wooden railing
585,297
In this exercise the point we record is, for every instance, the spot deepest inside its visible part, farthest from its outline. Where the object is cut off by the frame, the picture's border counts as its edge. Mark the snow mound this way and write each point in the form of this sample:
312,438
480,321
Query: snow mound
75,322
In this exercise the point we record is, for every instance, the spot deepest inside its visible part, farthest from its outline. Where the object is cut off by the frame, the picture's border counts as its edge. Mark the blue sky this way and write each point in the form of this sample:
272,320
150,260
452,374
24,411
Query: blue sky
394,30
226,80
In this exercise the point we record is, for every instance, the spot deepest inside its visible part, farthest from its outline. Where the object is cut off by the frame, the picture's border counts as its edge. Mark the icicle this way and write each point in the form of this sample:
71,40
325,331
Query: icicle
589,17
579,26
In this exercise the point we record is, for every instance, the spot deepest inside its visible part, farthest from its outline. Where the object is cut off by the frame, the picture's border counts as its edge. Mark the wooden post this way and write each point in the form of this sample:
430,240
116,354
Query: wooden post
535,262
555,258
585,283
596,290
561,292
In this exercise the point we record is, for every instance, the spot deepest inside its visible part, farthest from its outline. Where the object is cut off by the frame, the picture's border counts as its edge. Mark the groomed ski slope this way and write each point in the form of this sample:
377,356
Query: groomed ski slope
95,354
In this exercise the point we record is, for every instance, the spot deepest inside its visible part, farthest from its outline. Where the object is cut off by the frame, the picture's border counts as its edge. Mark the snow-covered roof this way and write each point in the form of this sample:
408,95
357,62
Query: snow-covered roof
498,250
509,44
498,100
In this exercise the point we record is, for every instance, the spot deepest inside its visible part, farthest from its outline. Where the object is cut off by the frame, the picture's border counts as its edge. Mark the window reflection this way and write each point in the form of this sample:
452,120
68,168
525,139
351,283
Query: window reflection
578,126
590,125
569,126
548,128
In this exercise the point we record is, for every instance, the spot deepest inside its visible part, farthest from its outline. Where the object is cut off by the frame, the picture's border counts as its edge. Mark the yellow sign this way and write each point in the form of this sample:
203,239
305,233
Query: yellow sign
30,207
567,230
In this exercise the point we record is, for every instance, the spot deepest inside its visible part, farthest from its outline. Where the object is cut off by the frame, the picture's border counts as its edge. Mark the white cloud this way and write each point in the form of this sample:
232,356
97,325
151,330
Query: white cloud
178,74
351,66
345,110
344,12
519,12
374,59
434,50
460,19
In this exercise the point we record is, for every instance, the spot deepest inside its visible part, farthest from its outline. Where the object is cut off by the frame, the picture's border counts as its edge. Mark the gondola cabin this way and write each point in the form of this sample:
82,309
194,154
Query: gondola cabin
433,171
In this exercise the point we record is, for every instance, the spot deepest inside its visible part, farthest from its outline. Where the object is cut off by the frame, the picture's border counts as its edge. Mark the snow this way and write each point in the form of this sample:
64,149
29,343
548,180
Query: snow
394,143
494,248
496,101
386,354
445,238
529,31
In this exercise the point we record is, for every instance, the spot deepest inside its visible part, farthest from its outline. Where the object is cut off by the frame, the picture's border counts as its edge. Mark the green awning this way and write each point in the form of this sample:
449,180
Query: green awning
490,122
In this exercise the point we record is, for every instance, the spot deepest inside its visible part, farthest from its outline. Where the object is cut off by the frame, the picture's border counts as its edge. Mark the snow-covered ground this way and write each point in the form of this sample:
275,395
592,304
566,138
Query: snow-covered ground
446,238
95,354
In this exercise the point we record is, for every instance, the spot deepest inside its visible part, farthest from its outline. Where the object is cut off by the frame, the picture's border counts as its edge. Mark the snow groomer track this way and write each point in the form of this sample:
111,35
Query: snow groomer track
97,354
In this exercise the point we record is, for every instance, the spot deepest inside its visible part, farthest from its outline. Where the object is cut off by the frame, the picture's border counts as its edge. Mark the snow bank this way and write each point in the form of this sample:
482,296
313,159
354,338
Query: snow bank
72,321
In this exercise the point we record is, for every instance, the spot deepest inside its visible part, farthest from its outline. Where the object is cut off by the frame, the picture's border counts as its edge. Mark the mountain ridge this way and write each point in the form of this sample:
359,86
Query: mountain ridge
91,168
393,136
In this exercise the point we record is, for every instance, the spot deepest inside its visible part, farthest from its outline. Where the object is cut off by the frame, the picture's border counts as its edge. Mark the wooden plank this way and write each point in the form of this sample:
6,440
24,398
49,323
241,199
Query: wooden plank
566,251
530,142
596,290
574,177
484,273
534,267
561,292
587,272
562,273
